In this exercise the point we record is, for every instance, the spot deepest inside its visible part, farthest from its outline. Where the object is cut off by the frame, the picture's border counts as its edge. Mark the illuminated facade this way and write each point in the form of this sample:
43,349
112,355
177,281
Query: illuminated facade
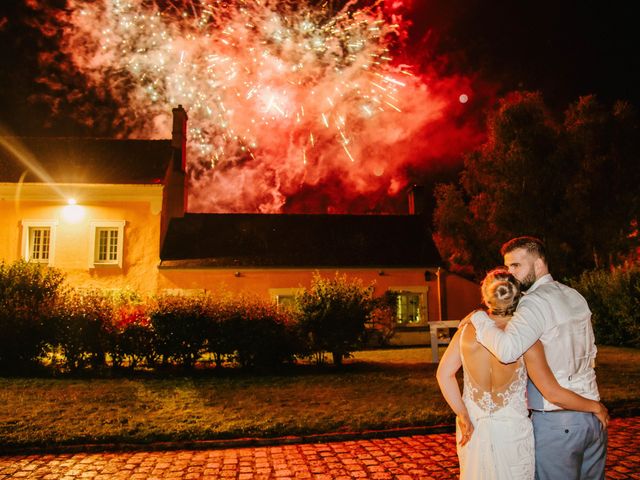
112,214
87,214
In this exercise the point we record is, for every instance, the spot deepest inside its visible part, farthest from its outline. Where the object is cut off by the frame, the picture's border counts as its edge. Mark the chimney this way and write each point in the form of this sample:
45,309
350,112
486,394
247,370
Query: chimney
416,200
174,198
179,137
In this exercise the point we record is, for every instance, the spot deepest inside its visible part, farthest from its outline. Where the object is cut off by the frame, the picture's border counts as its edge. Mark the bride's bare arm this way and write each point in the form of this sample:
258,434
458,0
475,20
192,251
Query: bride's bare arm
446,376
543,378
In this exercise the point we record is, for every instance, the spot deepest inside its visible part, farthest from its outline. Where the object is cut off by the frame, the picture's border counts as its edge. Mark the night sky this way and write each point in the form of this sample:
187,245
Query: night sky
565,49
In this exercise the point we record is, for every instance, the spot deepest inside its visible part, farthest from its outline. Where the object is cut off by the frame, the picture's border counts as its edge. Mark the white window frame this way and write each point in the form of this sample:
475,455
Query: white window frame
27,225
93,238
422,292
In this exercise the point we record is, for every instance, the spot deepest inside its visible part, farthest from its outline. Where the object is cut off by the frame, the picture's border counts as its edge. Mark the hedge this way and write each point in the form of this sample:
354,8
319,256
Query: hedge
614,300
73,330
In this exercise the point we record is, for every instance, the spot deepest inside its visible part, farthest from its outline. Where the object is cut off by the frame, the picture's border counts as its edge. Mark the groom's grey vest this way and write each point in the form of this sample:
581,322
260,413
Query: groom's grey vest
569,345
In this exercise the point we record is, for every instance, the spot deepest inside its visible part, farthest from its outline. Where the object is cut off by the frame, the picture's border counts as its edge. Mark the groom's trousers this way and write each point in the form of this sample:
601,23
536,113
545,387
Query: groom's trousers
569,445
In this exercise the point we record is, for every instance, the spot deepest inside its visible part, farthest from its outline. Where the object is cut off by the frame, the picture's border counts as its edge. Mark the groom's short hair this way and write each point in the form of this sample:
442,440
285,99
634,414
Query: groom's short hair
532,245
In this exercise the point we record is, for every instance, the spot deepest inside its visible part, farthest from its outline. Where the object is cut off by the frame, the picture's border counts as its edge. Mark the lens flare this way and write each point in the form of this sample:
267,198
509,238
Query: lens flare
282,96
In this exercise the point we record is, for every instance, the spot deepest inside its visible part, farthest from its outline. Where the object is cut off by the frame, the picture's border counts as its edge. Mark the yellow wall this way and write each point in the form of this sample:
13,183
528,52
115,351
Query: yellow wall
137,205
462,295
259,281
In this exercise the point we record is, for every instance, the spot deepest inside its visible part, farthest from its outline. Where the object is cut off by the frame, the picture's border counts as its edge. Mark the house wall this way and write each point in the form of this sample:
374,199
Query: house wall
460,297
266,283
138,206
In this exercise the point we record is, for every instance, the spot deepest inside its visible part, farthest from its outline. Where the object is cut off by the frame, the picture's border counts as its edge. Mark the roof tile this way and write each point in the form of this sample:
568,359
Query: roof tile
288,240
85,160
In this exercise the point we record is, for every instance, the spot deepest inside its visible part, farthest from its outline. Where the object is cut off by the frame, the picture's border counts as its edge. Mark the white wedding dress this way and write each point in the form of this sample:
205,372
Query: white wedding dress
502,445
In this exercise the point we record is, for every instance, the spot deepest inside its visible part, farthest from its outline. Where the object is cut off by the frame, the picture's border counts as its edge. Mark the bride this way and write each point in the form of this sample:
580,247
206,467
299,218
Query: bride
494,434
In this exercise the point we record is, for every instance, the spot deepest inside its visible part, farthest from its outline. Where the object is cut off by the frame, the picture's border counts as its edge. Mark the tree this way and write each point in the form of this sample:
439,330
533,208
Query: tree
462,240
536,176
333,313
603,194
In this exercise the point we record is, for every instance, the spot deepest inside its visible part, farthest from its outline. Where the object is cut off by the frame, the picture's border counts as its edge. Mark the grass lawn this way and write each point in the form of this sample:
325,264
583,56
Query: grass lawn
375,390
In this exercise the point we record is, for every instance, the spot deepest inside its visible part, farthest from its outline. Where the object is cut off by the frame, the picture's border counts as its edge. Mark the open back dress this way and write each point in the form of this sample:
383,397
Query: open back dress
502,445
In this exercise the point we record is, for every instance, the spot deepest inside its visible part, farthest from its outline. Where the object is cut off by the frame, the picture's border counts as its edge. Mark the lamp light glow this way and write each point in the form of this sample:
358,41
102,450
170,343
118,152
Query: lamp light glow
72,212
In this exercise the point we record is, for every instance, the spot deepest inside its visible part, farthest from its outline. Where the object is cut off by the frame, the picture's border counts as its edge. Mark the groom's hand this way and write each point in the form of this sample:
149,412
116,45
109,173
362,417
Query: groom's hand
603,415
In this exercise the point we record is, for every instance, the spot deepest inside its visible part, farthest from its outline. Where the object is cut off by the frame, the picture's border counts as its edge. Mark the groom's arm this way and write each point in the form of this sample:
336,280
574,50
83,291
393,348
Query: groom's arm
522,331
541,375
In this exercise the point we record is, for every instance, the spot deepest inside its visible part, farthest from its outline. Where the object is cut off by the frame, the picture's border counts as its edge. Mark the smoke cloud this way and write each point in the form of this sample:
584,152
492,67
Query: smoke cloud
293,106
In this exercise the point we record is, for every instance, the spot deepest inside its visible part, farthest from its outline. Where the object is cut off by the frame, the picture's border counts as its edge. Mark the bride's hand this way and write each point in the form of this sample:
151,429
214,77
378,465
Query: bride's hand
466,429
466,320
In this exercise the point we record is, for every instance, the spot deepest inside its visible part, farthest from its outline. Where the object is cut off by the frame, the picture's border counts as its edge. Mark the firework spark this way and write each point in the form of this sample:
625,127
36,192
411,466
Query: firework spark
281,96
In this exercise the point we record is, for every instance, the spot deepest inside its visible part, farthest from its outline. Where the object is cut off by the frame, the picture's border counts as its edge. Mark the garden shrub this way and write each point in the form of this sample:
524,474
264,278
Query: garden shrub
133,340
27,293
614,300
259,334
92,328
333,314
180,325
383,320
218,331
83,328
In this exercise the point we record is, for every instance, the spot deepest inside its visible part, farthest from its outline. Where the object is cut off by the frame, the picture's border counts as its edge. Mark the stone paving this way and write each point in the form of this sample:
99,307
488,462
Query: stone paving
402,458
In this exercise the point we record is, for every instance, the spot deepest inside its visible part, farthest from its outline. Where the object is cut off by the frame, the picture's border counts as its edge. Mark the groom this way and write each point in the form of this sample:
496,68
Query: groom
569,445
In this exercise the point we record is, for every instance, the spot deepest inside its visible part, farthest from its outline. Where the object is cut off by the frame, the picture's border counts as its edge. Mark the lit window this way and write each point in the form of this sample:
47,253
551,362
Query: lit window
38,241
184,292
286,301
107,239
106,245
410,305
285,298
39,244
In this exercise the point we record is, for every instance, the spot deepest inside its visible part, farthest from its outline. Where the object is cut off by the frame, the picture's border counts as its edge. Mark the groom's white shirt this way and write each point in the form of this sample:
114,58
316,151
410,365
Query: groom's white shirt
560,318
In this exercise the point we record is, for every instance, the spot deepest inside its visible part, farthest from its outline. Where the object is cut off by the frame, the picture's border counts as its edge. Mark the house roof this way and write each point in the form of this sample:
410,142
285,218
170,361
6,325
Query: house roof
84,160
286,240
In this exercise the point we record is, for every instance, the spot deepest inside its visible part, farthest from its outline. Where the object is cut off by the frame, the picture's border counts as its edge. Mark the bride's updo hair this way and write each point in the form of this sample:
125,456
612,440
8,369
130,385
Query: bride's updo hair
500,292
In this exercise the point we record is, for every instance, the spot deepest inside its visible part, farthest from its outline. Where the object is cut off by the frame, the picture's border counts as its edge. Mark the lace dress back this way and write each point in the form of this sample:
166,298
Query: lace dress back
494,393
490,384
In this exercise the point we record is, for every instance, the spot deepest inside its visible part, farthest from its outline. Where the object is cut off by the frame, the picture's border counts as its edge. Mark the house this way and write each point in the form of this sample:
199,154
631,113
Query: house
88,206
113,214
